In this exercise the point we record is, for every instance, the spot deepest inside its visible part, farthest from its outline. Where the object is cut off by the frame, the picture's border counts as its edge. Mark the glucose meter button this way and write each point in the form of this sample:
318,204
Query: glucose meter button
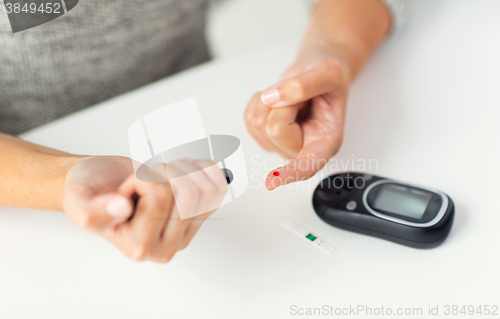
351,205
367,177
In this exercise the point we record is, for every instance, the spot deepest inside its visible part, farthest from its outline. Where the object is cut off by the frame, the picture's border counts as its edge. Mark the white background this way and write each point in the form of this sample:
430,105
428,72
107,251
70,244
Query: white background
236,26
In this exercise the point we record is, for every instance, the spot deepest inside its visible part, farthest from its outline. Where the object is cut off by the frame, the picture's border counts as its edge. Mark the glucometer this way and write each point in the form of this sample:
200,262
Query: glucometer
403,213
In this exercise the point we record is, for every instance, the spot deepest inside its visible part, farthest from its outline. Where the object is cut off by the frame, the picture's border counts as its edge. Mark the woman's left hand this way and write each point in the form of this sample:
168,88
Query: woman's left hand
301,117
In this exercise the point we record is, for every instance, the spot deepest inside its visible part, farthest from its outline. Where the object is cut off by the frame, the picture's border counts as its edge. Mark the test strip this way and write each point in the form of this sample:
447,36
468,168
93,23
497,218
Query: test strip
308,236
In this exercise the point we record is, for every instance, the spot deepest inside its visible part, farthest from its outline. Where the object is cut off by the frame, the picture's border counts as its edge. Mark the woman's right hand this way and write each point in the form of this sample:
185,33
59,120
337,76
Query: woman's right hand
98,198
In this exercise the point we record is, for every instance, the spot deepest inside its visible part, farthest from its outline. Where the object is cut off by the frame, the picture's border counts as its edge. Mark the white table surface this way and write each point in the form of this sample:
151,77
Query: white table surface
426,108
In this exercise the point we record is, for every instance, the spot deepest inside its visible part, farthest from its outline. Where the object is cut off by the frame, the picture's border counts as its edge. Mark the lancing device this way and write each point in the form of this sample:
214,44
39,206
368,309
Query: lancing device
227,173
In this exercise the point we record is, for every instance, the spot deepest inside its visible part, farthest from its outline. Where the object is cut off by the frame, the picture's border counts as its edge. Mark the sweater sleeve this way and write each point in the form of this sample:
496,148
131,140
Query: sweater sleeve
399,10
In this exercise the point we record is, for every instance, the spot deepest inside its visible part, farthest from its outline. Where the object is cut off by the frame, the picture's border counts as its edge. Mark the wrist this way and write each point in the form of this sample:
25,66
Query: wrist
62,165
348,29
349,52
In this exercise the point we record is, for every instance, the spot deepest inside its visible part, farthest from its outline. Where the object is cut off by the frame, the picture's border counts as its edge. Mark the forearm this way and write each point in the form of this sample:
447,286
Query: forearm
32,176
348,29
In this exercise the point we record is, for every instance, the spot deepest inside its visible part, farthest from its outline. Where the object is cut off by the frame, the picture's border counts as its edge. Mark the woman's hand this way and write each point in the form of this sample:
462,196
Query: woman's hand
302,117
98,198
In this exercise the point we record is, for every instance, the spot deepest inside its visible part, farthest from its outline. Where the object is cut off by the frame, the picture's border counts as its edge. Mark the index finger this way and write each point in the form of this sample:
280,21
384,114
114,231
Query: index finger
310,160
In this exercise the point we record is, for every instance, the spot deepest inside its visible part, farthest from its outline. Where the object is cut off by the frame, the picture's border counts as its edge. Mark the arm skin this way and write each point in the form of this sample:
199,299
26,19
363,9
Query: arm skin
32,176
349,29
302,117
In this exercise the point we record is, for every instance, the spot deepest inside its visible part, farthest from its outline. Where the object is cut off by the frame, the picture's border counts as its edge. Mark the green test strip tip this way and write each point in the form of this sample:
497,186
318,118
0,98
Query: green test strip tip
311,237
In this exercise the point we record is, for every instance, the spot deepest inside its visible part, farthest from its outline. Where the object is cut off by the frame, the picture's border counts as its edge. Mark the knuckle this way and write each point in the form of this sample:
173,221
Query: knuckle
333,67
140,246
209,191
252,120
139,253
177,162
151,189
248,116
162,260
162,205
204,163
158,167
159,190
166,256
87,223
163,201
191,192
327,63
275,127
184,244
259,123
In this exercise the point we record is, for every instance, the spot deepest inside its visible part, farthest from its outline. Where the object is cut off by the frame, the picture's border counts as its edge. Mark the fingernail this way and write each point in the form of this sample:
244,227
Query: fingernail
270,96
118,208
187,159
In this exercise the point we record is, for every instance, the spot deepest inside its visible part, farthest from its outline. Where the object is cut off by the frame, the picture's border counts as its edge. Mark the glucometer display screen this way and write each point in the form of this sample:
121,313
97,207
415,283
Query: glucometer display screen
402,200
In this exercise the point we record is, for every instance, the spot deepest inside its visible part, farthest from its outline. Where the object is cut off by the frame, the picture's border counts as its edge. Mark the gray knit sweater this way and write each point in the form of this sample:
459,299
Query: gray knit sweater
100,49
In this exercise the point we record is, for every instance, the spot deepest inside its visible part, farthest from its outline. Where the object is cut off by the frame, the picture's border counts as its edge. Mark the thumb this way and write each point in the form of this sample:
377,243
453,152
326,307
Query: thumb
310,160
322,78
105,211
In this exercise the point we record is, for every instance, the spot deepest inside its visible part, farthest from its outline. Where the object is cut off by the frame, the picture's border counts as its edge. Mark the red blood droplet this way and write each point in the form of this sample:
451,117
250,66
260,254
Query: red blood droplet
276,173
